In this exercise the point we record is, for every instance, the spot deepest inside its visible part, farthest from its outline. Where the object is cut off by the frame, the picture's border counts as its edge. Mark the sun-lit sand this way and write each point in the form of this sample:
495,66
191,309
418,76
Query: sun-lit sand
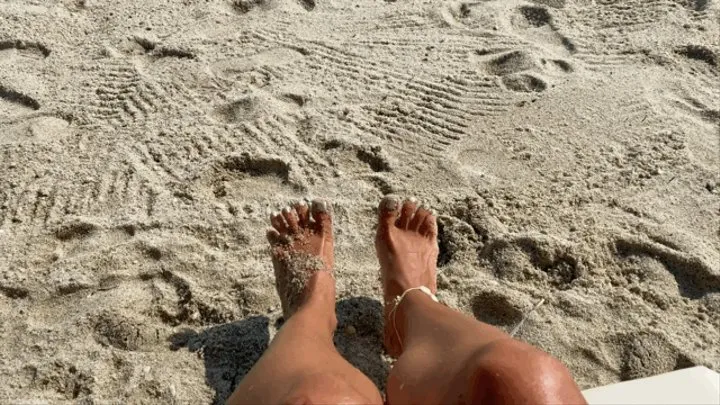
571,149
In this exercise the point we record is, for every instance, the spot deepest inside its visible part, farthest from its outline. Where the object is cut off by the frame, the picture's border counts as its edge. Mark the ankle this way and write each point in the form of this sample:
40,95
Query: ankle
413,303
394,289
320,289
318,319
319,304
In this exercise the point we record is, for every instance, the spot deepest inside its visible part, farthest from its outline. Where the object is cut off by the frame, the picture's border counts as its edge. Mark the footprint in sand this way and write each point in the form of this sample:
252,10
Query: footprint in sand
21,90
544,54
522,70
537,60
246,6
537,25
488,162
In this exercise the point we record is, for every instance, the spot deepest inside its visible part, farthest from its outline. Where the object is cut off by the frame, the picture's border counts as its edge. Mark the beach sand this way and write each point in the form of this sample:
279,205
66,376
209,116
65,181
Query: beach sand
570,147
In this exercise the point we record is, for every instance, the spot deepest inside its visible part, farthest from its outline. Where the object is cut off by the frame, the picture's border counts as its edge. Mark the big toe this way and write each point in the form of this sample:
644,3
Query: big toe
388,212
321,213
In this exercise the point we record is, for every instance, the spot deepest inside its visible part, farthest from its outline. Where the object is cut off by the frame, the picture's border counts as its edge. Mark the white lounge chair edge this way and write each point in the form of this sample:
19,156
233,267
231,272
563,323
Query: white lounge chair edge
696,385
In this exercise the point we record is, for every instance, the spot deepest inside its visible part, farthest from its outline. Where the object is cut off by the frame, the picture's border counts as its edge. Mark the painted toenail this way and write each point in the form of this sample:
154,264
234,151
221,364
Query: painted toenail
390,203
319,206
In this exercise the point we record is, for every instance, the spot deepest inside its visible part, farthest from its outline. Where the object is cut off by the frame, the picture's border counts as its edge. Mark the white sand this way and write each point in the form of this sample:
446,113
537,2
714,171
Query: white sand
572,149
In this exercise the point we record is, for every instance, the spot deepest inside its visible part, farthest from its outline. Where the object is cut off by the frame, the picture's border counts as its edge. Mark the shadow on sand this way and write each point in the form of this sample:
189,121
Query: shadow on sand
364,348
231,350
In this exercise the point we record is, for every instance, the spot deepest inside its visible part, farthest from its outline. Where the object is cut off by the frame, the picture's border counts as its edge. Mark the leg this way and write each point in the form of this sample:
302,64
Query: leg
301,365
445,356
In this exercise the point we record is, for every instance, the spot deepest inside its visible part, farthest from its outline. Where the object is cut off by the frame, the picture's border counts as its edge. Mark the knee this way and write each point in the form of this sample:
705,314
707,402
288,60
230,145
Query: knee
513,355
324,389
511,371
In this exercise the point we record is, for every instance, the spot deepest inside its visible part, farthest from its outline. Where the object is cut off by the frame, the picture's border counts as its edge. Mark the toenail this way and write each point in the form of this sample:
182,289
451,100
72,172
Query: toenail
412,200
390,203
425,207
319,206
274,214
286,210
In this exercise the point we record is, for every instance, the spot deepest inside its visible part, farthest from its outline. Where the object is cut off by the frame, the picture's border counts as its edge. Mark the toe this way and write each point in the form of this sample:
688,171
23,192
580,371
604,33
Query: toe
388,211
273,236
406,213
291,218
303,213
419,218
278,222
321,214
429,226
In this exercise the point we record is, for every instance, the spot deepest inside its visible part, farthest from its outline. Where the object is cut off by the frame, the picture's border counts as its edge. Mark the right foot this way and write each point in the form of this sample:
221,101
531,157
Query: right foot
301,242
407,248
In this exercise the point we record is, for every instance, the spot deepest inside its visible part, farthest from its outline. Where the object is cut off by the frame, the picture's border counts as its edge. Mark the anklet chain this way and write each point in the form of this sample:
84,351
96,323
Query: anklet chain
399,299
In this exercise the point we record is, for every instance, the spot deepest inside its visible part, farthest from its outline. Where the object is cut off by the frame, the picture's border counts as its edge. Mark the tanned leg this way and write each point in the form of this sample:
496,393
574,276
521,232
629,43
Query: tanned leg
446,357
301,366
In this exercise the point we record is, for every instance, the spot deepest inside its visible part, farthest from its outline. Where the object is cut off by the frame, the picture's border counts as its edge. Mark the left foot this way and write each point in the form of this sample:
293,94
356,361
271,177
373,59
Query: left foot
301,242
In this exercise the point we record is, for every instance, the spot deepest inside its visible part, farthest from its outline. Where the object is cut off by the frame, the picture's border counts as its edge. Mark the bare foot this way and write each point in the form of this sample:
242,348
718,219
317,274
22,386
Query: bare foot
301,242
406,245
